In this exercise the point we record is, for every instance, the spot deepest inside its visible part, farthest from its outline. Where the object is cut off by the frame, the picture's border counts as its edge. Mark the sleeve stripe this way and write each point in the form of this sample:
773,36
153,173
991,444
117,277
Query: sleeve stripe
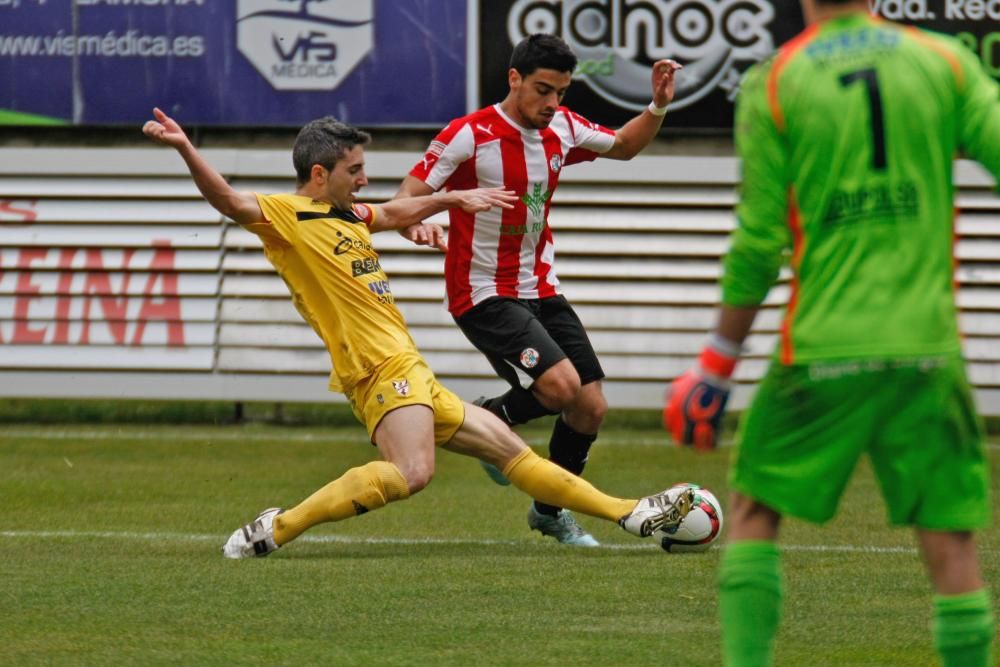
785,55
798,247
569,123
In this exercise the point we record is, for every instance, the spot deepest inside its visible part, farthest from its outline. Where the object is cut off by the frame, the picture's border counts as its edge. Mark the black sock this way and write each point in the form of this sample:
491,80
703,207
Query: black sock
569,450
517,406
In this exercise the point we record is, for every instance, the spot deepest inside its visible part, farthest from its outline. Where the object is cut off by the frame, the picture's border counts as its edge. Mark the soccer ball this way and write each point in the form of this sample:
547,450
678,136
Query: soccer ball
700,527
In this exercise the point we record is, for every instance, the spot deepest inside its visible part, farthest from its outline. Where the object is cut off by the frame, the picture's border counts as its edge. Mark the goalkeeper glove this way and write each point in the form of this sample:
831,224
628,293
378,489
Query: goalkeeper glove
697,399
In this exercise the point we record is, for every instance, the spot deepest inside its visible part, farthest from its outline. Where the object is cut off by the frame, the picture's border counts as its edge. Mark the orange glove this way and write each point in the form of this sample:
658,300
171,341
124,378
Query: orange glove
697,399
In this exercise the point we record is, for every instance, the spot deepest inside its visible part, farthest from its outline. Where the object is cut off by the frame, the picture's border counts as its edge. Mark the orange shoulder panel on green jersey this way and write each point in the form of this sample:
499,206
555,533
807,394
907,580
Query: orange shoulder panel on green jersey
326,258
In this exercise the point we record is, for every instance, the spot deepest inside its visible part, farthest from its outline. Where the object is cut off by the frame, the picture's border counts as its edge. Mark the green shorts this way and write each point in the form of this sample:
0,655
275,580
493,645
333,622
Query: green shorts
915,418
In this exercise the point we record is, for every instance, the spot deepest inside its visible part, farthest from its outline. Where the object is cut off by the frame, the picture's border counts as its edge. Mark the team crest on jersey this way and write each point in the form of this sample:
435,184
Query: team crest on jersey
529,357
402,387
555,162
364,212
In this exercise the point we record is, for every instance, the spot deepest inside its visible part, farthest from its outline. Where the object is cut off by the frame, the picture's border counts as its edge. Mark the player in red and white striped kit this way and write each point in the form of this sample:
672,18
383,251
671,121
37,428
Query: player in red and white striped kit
502,287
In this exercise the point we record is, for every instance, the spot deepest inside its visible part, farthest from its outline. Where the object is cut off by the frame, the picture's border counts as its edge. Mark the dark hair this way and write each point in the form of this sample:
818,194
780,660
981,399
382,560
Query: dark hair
542,51
324,141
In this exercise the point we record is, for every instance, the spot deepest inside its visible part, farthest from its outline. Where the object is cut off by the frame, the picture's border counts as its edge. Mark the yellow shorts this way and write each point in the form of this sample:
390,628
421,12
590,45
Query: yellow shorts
406,380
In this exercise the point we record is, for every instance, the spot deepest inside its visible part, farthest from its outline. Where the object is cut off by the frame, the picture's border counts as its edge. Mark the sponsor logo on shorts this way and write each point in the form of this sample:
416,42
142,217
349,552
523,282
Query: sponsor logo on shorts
380,398
402,387
529,357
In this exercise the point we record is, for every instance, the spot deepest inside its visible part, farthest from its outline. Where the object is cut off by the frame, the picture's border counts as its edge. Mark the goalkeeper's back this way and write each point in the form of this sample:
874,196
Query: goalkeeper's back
848,136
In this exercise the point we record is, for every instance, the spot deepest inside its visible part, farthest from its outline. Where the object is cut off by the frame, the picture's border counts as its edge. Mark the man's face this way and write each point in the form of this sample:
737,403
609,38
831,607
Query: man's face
346,178
538,95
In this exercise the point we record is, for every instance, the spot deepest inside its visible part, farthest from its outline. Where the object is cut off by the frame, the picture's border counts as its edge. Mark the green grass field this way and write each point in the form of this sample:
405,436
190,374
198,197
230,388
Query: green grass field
111,556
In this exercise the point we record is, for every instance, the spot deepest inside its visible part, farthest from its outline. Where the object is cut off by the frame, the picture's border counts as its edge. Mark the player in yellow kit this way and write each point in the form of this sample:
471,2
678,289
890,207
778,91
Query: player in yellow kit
319,241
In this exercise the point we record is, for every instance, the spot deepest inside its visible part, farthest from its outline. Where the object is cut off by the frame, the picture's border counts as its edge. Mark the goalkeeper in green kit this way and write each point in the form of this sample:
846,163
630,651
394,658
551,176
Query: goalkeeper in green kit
847,137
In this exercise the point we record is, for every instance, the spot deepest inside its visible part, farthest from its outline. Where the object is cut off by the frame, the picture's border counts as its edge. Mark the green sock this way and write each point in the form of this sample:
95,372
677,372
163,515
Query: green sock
749,602
963,629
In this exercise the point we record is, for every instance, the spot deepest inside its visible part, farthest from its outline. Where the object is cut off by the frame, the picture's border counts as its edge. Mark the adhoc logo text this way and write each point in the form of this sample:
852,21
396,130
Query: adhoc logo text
617,41
304,44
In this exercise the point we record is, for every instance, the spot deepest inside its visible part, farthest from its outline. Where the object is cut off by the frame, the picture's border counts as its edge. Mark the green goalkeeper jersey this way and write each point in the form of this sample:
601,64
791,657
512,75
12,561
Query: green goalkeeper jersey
847,137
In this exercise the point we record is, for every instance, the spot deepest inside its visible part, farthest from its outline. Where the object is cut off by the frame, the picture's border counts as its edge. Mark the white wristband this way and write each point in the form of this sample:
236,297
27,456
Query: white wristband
724,345
657,111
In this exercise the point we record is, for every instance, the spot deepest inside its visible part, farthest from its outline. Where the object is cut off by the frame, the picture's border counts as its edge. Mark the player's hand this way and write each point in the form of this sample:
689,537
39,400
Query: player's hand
697,399
694,409
164,130
426,234
483,199
663,81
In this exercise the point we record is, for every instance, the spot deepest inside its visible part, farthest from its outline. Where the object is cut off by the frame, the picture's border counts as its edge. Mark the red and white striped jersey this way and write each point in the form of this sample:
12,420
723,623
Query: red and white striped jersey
505,252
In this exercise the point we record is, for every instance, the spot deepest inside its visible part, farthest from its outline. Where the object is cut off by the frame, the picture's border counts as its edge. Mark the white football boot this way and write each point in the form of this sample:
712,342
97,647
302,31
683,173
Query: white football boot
662,510
255,538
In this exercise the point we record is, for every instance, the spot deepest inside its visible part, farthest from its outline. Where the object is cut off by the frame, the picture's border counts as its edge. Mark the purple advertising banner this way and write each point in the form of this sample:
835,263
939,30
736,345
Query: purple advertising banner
716,41
233,62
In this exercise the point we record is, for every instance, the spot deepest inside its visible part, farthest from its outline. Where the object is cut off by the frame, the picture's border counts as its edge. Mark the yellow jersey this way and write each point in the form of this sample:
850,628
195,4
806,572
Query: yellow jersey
326,258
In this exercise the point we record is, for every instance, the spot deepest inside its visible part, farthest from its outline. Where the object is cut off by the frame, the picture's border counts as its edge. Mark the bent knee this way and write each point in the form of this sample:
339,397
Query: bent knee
418,476
587,412
559,391
592,410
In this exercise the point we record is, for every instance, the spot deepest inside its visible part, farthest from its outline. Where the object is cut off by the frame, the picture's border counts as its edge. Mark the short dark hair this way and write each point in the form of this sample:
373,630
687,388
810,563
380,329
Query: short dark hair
542,51
324,141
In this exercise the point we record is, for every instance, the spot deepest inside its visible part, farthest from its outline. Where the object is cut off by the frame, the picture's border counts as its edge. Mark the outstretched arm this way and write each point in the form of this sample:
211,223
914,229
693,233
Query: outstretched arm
427,234
413,187
638,132
401,213
239,206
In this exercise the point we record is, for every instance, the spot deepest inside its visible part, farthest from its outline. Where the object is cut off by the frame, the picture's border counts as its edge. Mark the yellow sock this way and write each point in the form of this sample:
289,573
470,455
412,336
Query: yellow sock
357,491
546,482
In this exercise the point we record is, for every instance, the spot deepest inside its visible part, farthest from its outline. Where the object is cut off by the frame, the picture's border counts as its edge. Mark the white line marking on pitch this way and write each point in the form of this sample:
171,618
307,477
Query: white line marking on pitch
340,434
402,541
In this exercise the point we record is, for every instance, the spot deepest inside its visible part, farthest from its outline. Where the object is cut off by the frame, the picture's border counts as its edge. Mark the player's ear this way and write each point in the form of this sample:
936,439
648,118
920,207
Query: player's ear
318,174
513,78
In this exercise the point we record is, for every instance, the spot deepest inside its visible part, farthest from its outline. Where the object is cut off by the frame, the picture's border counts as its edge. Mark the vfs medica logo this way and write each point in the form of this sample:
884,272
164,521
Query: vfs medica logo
617,41
304,44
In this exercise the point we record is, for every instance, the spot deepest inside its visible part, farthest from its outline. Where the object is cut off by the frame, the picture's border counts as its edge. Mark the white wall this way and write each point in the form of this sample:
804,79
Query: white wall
118,281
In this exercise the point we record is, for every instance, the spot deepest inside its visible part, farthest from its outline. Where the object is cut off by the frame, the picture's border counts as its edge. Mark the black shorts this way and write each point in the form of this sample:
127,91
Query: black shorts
523,338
